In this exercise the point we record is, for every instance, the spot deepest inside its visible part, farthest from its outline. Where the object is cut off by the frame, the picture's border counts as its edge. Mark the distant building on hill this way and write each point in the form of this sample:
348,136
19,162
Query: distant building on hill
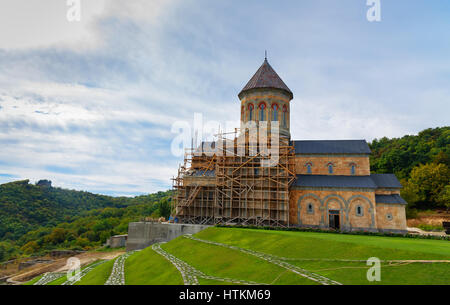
318,184
46,183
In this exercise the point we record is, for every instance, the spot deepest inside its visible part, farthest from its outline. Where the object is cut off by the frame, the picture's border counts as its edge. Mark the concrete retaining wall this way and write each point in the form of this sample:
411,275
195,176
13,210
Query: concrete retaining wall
144,234
117,241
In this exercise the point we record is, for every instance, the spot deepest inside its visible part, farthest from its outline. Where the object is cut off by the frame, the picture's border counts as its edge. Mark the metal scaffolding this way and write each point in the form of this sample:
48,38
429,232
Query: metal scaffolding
230,188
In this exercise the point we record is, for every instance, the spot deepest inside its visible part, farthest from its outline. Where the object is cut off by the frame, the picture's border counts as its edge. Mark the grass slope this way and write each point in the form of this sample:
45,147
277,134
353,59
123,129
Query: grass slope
353,273
99,275
227,263
328,245
33,281
63,279
147,267
336,246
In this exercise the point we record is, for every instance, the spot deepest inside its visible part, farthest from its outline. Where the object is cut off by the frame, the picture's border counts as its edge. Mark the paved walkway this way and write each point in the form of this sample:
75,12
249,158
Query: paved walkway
190,274
117,276
274,260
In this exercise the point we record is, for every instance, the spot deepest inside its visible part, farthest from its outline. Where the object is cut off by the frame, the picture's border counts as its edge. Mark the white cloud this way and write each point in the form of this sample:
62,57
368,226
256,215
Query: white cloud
43,23
89,105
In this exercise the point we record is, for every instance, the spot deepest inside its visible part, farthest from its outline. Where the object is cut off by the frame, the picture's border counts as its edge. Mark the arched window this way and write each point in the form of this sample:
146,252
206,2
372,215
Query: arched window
284,116
262,111
275,112
330,168
353,169
310,208
309,168
359,210
250,112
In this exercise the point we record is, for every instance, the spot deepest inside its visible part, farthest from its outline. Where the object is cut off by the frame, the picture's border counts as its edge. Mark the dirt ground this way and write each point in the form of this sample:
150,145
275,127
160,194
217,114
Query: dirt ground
60,265
427,218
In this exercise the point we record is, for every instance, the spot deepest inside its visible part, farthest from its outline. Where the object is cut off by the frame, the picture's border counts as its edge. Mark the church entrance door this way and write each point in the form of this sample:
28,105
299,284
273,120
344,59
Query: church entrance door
334,219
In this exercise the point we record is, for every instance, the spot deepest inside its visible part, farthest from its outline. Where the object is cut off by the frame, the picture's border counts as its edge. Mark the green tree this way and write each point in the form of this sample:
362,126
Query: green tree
426,184
444,197
30,247
164,208
409,193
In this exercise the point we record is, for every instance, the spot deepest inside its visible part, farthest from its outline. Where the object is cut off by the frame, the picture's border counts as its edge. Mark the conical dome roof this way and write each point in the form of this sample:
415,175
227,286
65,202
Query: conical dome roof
266,77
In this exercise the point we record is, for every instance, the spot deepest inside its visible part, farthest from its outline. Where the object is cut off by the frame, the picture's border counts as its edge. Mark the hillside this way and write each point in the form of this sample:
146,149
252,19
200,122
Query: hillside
36,218
401,155
421,162
229,256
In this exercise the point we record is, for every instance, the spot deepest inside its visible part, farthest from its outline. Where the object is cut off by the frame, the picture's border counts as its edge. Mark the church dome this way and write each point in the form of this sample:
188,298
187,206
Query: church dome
266,77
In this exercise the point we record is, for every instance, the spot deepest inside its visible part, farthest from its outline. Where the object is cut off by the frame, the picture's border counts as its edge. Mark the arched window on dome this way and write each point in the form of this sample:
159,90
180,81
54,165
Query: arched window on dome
309,168
250,112
275,109
284,116
262,112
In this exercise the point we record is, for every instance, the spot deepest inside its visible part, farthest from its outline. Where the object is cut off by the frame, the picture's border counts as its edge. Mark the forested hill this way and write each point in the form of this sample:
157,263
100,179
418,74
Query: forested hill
25,207
421,163
401,155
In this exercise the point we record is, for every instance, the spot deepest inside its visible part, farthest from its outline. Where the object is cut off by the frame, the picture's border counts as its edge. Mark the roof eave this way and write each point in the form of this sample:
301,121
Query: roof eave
243,92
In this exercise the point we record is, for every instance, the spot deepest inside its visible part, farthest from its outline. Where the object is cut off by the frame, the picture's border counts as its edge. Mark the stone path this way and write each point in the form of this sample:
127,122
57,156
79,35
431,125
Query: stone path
117,276
274,260
190,274
49,277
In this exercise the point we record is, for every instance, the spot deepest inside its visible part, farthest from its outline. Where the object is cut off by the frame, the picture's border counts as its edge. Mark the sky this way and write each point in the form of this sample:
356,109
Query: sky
90,104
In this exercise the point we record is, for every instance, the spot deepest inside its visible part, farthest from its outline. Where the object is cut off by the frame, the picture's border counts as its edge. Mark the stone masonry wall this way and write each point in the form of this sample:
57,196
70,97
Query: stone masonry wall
346,201
341,164
391,217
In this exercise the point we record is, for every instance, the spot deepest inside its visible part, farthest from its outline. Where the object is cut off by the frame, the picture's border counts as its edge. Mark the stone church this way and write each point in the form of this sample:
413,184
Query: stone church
323,184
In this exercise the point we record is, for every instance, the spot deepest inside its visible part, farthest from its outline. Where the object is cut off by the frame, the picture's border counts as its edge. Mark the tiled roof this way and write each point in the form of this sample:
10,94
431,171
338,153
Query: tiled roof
331,147
266,77
335,181
373,181
392,199
386,180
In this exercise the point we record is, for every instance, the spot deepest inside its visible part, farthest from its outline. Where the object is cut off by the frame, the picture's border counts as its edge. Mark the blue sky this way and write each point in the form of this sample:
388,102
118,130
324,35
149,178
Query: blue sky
90,104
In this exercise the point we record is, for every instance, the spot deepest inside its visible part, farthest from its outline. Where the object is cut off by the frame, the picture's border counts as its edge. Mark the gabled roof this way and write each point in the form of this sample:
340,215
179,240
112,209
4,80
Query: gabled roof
334,181
373,181
331,147
386,181
391,199
266,77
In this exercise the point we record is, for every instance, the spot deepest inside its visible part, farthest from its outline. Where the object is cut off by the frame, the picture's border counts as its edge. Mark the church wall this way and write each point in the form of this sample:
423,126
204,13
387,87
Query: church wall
325,199
387,192
341,164
395,223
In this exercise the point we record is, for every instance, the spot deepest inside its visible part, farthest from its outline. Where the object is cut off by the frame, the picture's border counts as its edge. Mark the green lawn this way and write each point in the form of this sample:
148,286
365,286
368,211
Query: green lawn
338,246
99,275
147,267
327,245
33,281
202,281
63,279
227,263
352,273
